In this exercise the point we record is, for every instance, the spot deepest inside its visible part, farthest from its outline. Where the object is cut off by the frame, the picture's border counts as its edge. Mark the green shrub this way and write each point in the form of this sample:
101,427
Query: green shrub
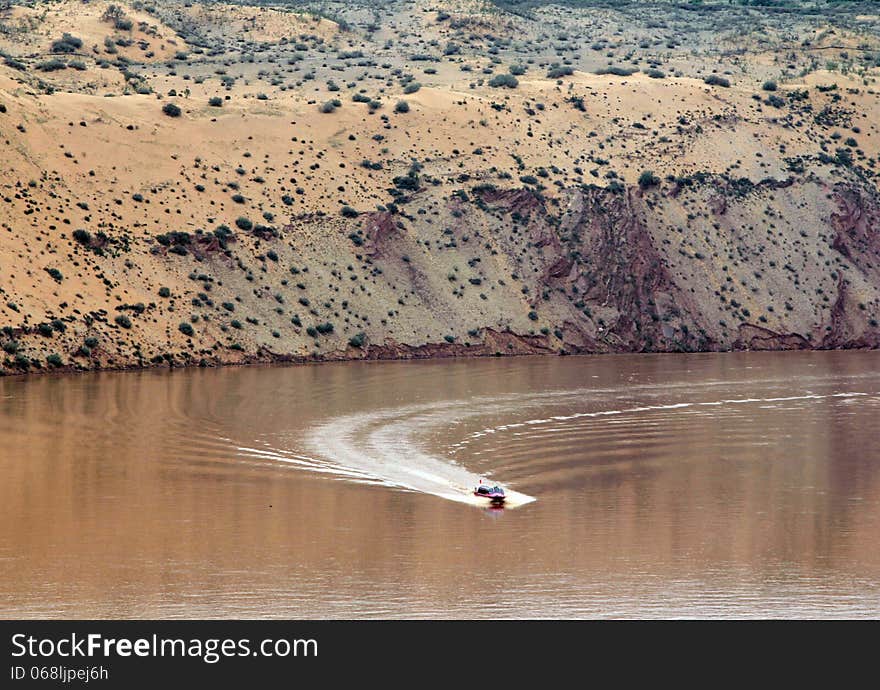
84,237
55,273
215,102
54,360
171,110
617,71
409,182
66,44
186,329
164,292
716,80
357,340
123,321
52,65
558,71
401,107
648,179
507,80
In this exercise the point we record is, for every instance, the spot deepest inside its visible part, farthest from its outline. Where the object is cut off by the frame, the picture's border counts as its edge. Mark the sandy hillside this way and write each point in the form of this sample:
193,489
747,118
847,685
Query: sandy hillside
208,183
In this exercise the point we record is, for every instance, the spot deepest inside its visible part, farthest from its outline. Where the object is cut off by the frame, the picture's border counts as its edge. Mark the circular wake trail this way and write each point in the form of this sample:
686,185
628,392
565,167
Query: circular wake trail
383,445
386,446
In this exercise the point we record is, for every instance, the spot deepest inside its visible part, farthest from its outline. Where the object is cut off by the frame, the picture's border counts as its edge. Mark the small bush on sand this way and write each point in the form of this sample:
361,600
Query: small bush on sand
648,179
558,71
715,80
507,80
66,44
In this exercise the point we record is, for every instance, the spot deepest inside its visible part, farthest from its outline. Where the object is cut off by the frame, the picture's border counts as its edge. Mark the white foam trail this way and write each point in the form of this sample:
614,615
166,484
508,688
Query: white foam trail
383,447
652,408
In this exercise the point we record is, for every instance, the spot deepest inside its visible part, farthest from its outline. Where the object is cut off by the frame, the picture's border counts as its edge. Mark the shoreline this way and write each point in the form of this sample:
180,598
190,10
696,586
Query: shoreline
396,353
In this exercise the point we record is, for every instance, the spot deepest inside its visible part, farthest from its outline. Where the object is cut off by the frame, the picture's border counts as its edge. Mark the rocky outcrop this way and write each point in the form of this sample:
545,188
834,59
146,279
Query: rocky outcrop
378,228
499,272
619,270
752,337
857,227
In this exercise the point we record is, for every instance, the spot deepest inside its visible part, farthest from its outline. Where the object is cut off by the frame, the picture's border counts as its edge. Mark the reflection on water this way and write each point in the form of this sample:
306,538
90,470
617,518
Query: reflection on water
707,485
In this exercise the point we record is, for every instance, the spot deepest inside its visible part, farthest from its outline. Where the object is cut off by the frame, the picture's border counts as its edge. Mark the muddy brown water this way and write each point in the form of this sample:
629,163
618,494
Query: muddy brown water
669,485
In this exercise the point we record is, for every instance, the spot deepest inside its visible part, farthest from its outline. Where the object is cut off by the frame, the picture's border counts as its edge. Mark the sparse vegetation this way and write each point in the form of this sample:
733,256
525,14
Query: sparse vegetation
626,213
507,80
716,80
648,179
66,44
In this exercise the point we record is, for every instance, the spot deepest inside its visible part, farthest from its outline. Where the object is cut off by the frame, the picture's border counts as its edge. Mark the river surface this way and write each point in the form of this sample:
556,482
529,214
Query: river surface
722,485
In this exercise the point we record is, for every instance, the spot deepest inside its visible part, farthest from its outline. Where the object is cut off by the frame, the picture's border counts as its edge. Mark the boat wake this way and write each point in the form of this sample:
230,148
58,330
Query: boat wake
385,446
389,446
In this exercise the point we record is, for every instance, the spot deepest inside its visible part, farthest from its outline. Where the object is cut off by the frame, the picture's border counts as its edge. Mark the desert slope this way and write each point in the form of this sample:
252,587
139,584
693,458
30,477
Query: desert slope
205,184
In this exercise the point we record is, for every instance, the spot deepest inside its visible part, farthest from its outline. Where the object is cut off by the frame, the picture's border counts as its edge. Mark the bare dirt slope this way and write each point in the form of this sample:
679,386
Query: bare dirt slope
208,183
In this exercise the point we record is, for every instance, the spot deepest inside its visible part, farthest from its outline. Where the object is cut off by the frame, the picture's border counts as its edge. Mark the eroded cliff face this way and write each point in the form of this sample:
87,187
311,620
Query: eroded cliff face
810,280
703,264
